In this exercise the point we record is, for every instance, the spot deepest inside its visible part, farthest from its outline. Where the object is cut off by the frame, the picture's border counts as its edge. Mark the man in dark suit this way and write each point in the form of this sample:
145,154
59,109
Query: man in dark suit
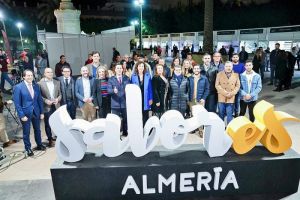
29,105
116,88
50,91
273,61
67,88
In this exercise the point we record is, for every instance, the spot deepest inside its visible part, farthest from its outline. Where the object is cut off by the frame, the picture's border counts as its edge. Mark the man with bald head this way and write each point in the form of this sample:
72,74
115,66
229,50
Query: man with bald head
83,92
51,94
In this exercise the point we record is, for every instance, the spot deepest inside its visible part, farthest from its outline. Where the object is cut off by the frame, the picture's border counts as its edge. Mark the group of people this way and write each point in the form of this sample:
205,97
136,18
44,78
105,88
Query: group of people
279,62
227,89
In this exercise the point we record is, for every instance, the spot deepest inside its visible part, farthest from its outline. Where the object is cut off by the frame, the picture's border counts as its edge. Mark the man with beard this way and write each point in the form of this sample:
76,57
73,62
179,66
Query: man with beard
210,72
238,68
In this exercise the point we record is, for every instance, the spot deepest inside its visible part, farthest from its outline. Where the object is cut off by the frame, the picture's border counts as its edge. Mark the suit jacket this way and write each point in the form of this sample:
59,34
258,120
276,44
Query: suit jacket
224,84
25,104
46,93
117,100
63,90
79,90
97,96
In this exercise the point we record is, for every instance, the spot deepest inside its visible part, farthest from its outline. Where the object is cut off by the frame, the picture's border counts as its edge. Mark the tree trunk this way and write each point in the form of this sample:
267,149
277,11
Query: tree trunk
208,26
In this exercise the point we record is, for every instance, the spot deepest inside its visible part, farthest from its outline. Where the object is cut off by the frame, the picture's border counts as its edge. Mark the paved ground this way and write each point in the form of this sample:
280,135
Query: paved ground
29,178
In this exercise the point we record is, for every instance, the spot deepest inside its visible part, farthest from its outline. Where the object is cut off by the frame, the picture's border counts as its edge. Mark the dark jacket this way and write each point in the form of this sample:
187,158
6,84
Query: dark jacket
274,57
117,100
3,63
202,88
97,97
63,90
58,68
211,75
159,88
281,69
243,55
179,94
256,63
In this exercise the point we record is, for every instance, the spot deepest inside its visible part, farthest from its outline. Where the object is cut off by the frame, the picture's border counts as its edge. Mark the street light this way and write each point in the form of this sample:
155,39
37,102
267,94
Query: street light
2,20
134,22
140,3
20,25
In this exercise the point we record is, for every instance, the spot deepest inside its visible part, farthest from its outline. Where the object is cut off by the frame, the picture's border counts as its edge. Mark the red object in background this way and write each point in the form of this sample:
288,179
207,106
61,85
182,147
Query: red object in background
7,47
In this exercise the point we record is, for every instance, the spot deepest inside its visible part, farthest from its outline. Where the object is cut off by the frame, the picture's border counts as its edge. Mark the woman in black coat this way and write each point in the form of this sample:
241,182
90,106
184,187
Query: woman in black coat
101,98
257,60
291,60
160,87
281,70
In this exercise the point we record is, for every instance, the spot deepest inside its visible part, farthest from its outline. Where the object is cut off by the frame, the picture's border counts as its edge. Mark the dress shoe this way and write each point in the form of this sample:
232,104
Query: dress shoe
41,147
10,142
277,90
51,144
29,152
270,83
54,138
236,114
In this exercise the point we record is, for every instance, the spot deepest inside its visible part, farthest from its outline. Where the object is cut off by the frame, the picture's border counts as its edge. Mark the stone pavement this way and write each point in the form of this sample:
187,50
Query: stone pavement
29,178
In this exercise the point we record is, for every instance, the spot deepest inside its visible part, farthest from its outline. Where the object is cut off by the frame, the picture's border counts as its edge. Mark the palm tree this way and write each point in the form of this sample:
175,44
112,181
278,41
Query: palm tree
46,10
6,3
208,26
208,19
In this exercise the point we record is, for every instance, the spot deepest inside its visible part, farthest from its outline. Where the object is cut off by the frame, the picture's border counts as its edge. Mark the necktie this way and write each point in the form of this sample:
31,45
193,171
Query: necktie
31,90
67,82
120,80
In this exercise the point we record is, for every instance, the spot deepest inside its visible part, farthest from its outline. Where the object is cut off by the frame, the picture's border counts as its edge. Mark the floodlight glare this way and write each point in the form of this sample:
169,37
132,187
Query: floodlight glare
139,2
19,25
134,23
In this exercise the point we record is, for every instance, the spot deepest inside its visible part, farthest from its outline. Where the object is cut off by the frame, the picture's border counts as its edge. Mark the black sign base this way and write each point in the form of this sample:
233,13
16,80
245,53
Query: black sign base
186,173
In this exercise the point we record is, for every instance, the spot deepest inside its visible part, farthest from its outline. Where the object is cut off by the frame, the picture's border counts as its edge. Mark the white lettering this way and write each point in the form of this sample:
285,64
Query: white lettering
203,181
217,171
147,190
230,178
130,184
185,183
171,180
171,130
140,139
112,145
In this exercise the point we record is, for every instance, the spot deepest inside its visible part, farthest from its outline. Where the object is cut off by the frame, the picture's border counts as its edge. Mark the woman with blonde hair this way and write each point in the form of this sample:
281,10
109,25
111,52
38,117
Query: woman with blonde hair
187,68
101,98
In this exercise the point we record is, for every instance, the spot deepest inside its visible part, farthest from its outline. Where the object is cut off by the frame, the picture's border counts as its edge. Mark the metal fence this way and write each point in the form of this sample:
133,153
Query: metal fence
76,47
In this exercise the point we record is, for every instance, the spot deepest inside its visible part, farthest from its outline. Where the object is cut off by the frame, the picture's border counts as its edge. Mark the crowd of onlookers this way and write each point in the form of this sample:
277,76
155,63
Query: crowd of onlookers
226,88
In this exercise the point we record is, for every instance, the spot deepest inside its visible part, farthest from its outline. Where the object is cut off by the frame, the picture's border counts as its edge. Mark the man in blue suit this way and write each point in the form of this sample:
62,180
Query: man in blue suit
116,88
29,105
84,95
